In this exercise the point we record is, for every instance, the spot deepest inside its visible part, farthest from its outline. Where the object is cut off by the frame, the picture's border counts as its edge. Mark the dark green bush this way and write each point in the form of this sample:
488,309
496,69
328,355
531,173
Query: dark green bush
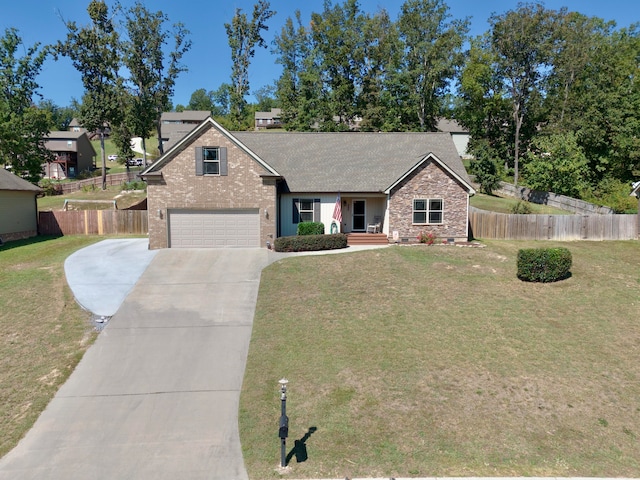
50,187
310,243
310,228
544,264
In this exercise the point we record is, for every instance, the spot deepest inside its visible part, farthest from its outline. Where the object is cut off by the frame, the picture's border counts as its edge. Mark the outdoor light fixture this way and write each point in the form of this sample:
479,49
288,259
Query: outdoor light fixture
266,213
284,422
159,213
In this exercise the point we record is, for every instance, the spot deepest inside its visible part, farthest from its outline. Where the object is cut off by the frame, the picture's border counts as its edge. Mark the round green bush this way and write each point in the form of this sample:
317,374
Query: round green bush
544,264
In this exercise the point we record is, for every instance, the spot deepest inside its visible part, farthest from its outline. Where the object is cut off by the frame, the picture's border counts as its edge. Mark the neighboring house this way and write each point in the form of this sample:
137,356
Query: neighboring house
458,133
74,126
72,153
264,120
18,207
176,125
215,188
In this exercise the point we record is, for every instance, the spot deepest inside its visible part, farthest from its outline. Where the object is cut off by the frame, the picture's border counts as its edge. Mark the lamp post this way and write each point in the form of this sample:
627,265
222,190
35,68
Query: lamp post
284,422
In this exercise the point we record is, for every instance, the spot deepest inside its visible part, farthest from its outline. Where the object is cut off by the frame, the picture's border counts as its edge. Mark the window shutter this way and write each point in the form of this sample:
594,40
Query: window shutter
224,168
296,211
199,162
316,209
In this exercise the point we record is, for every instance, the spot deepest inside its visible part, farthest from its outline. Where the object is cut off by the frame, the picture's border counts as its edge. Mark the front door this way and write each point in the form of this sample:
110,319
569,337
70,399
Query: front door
359,223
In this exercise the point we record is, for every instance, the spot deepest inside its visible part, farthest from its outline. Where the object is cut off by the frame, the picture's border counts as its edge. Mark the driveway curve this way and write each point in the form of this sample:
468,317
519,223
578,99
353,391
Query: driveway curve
157,395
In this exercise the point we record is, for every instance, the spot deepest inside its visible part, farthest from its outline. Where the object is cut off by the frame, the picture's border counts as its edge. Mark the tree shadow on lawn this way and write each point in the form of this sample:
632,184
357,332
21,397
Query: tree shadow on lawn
299,449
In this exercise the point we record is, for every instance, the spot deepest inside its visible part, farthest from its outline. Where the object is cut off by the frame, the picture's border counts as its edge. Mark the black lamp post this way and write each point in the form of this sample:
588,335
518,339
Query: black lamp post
284,422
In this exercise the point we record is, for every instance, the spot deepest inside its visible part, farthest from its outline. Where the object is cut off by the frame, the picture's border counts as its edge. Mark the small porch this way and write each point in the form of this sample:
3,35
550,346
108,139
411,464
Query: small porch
354,239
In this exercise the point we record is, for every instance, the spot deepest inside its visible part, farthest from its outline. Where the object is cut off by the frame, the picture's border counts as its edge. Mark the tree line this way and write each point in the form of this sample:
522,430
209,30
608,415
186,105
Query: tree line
550,97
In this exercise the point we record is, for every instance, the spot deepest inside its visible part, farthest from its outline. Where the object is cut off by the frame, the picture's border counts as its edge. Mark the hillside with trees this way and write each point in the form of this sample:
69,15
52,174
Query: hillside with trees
550,97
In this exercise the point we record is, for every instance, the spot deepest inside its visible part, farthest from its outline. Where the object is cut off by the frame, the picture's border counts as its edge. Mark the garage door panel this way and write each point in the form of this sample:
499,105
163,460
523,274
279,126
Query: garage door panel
214,229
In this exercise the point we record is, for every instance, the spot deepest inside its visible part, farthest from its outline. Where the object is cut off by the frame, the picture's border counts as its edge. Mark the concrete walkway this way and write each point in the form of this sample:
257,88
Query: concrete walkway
156,397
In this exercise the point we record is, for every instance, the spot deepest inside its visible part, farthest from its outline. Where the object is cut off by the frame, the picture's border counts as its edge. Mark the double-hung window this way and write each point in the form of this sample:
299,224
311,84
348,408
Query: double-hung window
211,161
428,211
306,210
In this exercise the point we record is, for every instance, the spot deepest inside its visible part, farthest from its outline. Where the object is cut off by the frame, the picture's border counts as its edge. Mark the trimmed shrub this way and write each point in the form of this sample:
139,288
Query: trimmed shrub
310,243
310,228
544,264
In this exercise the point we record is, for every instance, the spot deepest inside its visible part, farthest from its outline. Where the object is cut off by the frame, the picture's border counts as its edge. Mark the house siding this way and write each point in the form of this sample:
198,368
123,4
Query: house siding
180,188
18,217
429,181
375,206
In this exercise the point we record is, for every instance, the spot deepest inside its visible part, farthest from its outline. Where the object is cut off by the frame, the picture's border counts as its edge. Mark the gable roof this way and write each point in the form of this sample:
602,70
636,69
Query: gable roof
9,181
352,162
155,168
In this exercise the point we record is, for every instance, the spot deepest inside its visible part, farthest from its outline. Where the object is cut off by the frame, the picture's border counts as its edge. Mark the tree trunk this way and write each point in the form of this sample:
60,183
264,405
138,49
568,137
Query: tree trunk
159,132
516,156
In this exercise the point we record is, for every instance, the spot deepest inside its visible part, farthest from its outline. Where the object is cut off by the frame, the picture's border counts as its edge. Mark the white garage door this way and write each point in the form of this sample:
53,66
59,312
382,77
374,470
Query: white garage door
210,229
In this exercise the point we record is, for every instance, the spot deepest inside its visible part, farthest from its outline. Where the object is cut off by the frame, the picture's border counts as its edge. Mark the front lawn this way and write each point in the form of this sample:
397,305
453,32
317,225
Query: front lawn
418,361
43,331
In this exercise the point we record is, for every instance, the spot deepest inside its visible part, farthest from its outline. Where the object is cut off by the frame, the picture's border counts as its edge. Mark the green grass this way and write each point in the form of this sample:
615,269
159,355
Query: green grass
438,361
114,192
43,332
495,203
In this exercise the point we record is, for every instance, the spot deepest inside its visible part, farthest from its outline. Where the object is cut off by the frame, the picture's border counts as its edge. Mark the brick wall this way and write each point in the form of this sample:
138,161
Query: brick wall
182,189
430,181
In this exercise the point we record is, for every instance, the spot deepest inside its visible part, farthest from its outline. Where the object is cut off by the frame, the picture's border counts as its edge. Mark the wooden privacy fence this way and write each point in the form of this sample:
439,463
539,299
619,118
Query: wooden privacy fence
93,222
112,179
503,226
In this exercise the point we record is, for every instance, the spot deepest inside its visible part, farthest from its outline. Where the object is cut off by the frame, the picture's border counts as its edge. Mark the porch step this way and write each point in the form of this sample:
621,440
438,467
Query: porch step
367,239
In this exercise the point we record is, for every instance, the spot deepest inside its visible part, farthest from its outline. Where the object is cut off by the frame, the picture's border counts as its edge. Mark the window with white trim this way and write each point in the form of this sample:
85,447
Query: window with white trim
211,159
428,211
306,210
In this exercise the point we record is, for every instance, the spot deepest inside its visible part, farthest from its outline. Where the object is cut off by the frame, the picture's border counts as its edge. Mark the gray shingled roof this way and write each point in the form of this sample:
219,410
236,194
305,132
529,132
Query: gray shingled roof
185,116
349,162
9,181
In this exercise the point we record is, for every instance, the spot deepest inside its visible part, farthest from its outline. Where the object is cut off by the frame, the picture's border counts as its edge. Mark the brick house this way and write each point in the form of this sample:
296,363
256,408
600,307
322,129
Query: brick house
216,188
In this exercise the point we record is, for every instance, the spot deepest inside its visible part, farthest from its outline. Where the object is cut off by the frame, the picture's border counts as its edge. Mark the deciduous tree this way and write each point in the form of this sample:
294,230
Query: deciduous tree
152,70
244,36
22,125
522,41
96,53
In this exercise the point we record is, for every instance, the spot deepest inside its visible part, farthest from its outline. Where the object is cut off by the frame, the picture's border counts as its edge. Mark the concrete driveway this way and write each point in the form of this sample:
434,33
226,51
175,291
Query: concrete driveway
156,397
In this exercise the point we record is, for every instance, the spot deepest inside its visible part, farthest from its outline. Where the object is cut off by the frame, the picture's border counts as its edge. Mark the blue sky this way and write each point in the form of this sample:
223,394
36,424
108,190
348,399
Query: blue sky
209,60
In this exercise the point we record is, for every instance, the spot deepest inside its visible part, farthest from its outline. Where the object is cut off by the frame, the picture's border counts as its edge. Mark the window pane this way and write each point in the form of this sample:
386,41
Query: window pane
210,154
212,168
306,205
435,204
419,205
306,216
419,217
435,217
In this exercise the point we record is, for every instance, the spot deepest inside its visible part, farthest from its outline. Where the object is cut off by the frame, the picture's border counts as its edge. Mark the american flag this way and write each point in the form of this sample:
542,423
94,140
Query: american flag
337,211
